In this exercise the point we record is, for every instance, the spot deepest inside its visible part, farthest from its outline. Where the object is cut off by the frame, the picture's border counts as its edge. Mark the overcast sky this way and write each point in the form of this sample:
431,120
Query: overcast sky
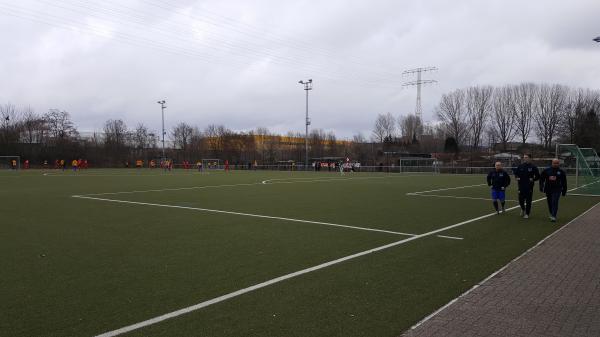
238,62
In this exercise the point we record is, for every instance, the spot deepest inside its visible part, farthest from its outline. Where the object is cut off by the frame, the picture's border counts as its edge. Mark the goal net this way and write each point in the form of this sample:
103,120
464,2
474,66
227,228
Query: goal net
212,164
583,166
10,163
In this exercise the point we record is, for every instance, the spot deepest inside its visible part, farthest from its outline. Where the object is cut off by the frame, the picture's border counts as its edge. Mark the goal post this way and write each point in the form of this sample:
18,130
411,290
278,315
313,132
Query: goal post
10,162
584,165
212,164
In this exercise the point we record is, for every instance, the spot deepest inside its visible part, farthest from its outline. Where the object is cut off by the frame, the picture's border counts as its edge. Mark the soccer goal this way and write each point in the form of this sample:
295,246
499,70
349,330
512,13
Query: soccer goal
10,162
212,164
583,164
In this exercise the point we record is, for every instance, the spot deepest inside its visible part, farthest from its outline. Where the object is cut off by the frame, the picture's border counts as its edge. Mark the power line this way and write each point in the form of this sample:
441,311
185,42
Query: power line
250,45
263,33
169,47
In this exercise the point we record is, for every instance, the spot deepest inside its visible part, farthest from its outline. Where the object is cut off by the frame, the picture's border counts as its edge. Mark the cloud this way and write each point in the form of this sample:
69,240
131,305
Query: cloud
237,63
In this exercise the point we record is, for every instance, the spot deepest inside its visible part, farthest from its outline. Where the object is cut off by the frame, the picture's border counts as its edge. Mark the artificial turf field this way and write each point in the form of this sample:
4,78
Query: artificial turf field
78,263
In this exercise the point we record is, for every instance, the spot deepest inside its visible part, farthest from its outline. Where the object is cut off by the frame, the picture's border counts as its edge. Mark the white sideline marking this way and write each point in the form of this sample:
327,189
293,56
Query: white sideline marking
215,300
452,197
243,214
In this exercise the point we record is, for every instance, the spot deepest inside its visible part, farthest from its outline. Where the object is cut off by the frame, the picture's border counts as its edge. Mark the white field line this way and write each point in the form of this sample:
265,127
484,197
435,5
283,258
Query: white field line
170,189
447,189
243,214
255,215
215,300
310,179
71,174
585,195
449,237
421,322
452,197
232,185
272,181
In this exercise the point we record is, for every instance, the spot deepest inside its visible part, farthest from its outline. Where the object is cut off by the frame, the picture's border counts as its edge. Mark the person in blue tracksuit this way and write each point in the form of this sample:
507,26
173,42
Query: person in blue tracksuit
498,180
553,182
526,174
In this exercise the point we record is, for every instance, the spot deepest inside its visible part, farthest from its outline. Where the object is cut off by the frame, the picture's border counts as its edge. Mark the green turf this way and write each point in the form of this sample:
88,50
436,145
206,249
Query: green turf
78,267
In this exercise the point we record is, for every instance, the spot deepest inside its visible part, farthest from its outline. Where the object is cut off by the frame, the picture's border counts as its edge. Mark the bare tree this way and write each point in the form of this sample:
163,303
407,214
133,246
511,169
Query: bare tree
411,126
8,113
141,137
34,127
10,128
115,131
115,139
550,105
317,141
577,104
143,140
182,135
451,111
478,104
213,139
503,118
59,124
385,127
524,95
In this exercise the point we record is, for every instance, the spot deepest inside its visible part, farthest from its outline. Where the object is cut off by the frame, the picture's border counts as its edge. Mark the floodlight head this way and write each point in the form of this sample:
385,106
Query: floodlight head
310,80
301,82
597,39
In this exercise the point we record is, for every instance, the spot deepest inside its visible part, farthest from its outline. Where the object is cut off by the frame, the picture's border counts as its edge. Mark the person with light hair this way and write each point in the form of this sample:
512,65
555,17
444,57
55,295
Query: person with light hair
553,182
498,180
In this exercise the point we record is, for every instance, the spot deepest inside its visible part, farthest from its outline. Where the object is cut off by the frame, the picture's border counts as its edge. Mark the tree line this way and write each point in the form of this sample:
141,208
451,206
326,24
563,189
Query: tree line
478,117
53,135
470,119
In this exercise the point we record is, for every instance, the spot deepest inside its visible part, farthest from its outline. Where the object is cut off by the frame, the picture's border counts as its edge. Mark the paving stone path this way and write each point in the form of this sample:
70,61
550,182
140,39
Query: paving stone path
553,290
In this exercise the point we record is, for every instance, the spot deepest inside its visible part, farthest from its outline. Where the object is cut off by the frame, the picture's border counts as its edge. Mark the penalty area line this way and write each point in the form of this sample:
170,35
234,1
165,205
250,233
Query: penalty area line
208,210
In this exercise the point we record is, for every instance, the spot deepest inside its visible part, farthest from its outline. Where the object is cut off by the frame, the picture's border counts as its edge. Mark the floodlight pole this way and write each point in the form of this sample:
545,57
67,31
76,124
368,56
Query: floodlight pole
307,87
162,109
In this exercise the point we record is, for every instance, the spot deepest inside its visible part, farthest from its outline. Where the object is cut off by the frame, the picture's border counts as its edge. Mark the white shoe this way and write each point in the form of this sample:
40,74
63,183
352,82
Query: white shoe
525,216
553,219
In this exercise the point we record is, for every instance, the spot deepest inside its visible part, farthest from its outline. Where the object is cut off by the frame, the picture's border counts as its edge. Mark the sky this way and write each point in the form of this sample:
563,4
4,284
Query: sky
238,62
